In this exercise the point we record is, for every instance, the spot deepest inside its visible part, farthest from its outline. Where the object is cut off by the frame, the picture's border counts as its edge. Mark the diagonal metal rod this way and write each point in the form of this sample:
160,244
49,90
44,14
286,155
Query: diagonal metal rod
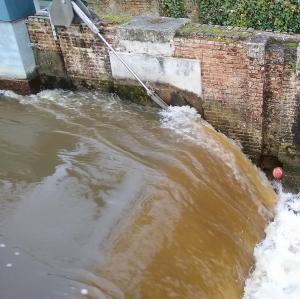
94,29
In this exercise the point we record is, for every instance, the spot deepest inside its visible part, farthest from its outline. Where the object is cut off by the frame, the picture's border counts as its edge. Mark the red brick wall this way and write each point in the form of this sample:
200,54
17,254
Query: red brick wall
84,58
128,7
84,55
232,88
40,34
255,102
281,109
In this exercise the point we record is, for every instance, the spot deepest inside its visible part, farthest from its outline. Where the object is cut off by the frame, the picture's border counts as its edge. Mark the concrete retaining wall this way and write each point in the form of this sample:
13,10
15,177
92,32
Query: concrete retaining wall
16,57
184,74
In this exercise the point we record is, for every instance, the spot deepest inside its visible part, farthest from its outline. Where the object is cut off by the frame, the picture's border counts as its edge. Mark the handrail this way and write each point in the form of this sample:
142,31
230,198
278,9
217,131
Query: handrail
95,30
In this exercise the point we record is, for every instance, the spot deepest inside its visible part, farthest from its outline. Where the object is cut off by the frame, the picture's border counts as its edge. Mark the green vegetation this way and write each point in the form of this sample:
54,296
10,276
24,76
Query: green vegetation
34,26
225,40
293,65
280,15
192,28
292,44
189,29
172,8
115,19
214,32
133,93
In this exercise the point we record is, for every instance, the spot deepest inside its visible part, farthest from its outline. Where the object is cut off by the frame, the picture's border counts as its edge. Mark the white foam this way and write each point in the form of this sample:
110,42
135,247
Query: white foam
84,292
10,94
176,116
187,123
277,268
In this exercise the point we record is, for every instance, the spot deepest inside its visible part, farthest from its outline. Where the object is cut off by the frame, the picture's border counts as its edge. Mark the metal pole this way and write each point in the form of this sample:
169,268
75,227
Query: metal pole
94,29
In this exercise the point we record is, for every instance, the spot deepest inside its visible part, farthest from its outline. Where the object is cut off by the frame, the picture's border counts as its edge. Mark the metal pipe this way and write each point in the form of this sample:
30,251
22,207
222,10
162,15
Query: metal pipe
94,29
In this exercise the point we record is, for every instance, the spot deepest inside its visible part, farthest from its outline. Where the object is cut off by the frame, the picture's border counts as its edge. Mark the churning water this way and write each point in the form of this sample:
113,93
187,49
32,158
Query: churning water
277,269
106,199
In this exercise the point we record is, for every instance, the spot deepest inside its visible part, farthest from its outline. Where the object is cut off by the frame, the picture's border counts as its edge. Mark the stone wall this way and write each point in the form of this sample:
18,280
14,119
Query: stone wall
251,91
75,59
139,7
232,88
281,110
250,81
127,7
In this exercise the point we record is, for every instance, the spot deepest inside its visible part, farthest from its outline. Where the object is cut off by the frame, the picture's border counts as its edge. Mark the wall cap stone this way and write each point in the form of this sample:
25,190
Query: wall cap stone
151,29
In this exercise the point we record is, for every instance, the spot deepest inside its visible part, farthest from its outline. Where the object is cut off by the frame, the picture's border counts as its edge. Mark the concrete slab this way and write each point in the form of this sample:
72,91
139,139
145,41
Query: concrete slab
151,29
61,13
16,56
184,74
160,49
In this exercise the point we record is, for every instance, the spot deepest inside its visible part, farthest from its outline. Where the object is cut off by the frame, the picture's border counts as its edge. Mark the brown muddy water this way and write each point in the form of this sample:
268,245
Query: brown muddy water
106,199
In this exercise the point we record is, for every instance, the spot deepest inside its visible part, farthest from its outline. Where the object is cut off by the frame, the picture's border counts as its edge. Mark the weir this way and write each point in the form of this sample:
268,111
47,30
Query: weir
143,205
244,82
152,203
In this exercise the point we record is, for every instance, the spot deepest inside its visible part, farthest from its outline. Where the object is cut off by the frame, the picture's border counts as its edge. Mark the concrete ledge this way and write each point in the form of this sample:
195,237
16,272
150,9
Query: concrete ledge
179,72
160,49
151,29
149,35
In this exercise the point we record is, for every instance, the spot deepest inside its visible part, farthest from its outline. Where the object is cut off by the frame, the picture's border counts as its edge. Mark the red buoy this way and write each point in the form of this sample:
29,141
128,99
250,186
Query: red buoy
277,173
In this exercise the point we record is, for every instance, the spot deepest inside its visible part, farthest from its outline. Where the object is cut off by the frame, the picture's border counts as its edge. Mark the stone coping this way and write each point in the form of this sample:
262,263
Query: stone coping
235,33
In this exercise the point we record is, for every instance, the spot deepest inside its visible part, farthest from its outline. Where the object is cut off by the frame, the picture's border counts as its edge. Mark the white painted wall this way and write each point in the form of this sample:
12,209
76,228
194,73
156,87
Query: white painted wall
25,48
16,56
160,49
179,72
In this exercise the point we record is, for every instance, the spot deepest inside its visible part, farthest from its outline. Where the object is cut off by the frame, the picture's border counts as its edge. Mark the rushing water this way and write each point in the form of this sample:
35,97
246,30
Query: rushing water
106,199
277,269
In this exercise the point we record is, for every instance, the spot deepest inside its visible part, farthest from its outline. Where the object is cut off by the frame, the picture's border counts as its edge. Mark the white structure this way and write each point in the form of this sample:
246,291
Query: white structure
146,44
16,56
182,73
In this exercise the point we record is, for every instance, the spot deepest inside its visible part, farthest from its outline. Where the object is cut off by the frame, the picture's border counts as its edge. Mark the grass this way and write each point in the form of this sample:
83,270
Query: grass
115,19
34,26
292,44
191,28
293,65
221,39
209,30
